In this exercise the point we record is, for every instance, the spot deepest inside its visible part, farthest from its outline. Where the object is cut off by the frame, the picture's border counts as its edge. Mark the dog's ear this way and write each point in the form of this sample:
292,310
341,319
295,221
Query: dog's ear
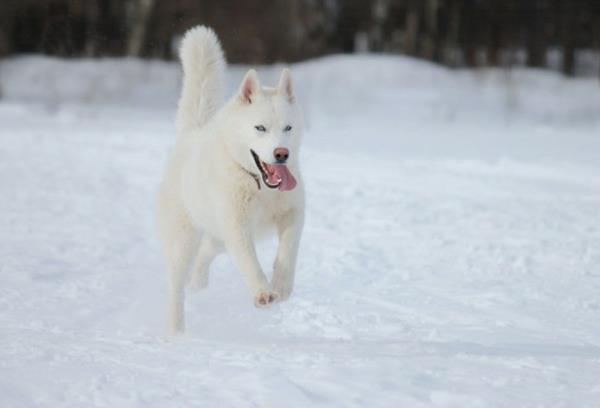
285,85
249,87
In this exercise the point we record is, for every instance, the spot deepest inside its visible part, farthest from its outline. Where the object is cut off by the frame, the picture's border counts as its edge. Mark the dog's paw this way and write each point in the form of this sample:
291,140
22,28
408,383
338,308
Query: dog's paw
285,295
265,299
197,281
283,291
283,287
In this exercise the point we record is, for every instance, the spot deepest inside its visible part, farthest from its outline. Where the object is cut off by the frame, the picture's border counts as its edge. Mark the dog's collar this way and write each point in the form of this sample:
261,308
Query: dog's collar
254,176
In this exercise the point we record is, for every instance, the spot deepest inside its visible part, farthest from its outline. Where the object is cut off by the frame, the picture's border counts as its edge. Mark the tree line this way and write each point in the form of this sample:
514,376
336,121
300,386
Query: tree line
451,32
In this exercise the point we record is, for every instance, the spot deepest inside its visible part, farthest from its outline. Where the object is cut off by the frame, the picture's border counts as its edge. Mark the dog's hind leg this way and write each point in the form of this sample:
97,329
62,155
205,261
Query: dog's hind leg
180,240
179,256
207,251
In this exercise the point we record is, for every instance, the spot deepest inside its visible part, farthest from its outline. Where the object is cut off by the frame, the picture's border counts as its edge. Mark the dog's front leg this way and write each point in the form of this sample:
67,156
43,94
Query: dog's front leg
238,242
289,228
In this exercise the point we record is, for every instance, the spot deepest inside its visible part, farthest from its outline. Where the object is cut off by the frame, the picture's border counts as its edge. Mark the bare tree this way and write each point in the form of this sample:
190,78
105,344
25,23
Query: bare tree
568,45
431,42
536,33
411,30
139,15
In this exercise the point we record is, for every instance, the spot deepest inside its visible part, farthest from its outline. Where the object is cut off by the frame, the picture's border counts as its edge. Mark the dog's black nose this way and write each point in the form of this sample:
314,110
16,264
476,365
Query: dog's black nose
281,154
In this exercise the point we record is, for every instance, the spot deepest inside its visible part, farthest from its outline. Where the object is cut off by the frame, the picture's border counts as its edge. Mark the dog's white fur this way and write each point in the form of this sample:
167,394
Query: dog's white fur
209,201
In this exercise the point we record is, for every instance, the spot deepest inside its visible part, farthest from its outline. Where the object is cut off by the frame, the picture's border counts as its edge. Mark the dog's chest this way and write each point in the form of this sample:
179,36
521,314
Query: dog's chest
262,214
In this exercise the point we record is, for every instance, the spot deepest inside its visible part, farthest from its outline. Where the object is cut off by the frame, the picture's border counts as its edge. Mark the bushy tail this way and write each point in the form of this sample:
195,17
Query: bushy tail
203,70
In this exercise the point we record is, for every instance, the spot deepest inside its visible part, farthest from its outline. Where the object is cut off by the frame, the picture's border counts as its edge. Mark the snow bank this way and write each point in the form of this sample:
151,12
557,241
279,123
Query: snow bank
352,82
53,81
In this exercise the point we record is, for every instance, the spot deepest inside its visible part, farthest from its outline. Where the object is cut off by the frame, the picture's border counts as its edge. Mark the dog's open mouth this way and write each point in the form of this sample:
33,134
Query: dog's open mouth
274,175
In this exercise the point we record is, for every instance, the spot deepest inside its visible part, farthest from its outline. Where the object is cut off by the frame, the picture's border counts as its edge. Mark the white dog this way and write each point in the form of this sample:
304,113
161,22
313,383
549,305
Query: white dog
232,177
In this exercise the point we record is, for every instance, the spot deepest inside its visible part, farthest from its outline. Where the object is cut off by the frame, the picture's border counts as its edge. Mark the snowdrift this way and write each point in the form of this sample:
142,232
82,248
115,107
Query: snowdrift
351,82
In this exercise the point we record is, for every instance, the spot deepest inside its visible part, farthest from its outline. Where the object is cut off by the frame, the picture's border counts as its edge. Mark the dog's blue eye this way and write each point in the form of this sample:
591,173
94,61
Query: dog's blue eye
260,128
287,128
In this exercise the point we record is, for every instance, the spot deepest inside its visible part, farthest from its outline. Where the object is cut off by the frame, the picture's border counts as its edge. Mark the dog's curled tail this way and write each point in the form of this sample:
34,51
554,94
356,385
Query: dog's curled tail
203,70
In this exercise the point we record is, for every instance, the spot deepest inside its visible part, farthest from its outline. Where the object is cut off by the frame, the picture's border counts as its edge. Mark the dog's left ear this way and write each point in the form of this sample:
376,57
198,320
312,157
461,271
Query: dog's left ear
285,85
250,87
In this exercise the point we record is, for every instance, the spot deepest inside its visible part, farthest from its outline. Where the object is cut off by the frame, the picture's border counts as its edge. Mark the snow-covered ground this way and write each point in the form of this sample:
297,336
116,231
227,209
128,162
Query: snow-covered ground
451,255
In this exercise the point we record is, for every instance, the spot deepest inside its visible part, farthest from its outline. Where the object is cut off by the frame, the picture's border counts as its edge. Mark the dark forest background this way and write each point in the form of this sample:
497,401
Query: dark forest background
538,33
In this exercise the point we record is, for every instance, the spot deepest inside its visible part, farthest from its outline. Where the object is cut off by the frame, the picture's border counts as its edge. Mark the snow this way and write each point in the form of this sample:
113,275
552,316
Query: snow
451,255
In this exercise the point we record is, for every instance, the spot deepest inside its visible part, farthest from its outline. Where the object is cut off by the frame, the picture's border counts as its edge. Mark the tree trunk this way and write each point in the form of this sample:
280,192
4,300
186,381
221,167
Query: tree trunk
536,35
451,43
431,44
139,22
494,37
469,34
412,29
92,34
596,40
568,43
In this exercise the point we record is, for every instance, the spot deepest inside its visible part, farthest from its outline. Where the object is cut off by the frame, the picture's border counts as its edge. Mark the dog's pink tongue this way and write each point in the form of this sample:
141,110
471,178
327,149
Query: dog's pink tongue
288,182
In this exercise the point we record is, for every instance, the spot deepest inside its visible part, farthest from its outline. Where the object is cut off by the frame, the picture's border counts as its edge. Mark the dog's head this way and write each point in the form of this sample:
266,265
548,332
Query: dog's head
266,127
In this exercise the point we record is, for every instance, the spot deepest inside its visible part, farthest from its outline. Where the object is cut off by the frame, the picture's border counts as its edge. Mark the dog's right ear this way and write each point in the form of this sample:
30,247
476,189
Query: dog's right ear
285,85
249,87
